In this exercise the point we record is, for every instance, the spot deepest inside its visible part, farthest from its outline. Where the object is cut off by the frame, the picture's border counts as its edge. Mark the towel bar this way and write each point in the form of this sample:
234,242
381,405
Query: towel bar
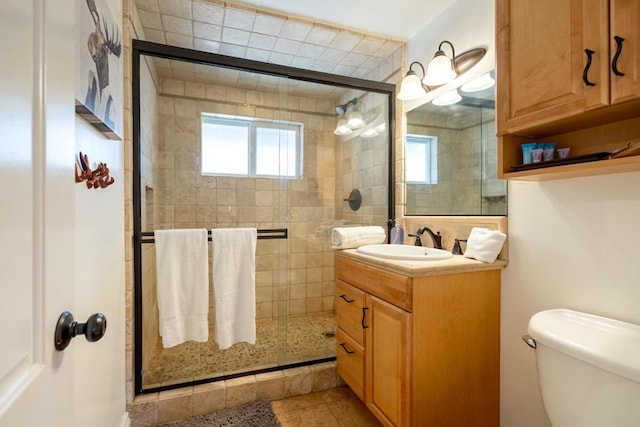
266,233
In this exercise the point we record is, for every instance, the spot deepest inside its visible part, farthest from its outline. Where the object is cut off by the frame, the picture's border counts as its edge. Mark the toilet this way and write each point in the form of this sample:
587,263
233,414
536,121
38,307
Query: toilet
588,368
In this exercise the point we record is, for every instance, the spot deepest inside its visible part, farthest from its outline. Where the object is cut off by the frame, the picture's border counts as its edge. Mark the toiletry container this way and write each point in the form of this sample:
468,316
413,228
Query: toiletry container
397,233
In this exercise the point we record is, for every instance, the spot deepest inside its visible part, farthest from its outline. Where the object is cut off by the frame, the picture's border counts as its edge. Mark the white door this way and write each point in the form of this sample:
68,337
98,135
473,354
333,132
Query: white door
36,213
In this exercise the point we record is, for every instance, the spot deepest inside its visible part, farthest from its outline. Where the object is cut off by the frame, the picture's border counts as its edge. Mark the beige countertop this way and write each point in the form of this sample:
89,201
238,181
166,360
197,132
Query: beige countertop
455,264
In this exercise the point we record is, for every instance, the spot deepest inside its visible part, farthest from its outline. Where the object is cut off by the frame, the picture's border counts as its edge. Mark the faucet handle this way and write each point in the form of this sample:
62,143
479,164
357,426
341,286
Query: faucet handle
418,241
457,250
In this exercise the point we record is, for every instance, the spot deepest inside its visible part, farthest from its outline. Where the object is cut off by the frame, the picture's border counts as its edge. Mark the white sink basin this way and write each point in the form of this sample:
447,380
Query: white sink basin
405,252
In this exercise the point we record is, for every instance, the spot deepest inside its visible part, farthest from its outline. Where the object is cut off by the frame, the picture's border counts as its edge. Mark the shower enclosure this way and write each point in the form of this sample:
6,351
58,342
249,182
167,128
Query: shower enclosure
223,142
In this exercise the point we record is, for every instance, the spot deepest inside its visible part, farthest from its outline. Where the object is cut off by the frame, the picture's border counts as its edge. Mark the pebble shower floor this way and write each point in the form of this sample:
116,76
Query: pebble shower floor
306,339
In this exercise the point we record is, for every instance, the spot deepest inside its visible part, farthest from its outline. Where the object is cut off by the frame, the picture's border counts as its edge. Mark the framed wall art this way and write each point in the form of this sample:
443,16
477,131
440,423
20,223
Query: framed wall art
99,96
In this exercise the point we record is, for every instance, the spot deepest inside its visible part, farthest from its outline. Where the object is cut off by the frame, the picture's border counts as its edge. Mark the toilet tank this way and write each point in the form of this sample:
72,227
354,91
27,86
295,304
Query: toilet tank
588,368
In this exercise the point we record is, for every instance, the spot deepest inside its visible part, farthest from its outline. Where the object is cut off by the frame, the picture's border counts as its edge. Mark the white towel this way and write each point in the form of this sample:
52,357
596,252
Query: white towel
484,244
353,237
182,270
234,285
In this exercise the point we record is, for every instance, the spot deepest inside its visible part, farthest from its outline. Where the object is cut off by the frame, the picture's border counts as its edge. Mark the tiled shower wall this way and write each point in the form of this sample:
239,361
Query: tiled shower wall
317,237
461,141
305,206
149,174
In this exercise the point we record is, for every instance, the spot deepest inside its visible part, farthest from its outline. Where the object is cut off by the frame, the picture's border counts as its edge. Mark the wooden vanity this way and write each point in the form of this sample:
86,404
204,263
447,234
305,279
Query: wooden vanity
419,342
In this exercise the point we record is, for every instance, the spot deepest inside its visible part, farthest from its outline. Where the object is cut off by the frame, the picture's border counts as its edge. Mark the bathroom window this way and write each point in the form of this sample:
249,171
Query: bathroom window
242,146
421,159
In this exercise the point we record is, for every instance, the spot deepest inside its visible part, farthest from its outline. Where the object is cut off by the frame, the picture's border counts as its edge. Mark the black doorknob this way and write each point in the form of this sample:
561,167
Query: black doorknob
67,328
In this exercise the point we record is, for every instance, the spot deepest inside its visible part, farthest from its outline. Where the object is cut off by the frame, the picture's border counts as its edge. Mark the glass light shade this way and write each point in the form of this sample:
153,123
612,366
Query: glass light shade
369,133
355,120
411,88
439,71
481,83
448,98
342,128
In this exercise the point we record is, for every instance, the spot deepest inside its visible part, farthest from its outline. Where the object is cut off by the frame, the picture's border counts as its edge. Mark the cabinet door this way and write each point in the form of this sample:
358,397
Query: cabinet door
541,60
388,362
625,23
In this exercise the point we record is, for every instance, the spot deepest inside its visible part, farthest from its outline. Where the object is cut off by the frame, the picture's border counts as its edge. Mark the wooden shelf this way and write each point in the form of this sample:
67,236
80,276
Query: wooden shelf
605,137
600,167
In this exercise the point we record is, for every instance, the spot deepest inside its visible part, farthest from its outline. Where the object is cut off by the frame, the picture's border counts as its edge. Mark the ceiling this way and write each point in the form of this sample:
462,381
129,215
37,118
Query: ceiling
397,19
292,33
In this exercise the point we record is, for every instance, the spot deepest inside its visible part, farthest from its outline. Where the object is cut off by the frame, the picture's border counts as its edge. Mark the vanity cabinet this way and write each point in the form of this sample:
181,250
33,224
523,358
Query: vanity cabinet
420,351
559,72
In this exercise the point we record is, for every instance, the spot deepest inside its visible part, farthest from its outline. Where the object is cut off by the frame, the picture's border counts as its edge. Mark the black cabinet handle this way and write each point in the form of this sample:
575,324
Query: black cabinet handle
585,73
344,347
344,297
614,62
364,314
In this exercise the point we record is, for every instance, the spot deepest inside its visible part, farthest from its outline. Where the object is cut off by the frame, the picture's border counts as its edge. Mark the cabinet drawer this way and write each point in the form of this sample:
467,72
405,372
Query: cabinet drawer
391,287
350,362
349,304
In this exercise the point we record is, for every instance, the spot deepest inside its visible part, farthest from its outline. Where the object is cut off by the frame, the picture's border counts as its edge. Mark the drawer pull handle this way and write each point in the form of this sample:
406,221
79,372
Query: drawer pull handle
364,315
614,62
344,297
585,73
344,347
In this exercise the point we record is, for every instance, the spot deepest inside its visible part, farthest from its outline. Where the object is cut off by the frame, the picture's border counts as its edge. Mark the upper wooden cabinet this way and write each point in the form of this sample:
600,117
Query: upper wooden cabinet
564,66
625,23
541,60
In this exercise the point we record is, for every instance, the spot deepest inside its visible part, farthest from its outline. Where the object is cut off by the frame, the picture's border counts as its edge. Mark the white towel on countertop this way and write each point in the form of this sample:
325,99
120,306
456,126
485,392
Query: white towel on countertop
484,244
353,237
234,285
182,271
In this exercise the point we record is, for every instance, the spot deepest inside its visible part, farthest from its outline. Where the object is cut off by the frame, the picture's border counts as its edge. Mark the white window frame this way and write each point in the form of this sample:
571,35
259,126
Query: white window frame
431,157
253,124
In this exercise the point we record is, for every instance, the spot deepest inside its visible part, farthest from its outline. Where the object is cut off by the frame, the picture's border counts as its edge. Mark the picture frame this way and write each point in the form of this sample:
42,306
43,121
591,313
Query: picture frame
99,86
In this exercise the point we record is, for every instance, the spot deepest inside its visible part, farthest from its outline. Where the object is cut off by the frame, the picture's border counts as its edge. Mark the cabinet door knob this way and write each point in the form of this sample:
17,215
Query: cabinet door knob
344,297
344,347
364,315
614,61
67,328
585,73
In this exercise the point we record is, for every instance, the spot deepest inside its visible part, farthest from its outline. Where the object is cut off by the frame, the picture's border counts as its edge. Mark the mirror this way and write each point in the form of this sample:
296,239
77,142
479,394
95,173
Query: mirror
451,158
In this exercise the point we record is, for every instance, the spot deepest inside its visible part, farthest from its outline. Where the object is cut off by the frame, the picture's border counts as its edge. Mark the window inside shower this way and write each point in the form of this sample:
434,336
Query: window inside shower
230,143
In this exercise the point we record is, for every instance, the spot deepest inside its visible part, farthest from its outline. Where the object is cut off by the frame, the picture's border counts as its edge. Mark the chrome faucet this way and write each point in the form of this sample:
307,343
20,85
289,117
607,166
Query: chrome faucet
435,238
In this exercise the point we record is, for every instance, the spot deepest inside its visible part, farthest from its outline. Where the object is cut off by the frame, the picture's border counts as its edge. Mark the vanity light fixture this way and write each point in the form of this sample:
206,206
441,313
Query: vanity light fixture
483,82
353,119
412,87
440,70
373,132
342,128
448,98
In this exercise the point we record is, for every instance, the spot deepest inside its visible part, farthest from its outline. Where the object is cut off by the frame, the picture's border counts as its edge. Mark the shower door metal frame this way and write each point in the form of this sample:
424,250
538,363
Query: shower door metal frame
140,48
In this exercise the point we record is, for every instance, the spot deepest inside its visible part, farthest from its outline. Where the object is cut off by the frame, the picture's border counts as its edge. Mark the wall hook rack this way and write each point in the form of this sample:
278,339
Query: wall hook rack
97,178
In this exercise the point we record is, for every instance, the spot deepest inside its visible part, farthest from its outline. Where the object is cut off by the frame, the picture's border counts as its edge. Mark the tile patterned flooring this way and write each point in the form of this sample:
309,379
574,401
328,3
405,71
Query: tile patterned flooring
336,407
192,360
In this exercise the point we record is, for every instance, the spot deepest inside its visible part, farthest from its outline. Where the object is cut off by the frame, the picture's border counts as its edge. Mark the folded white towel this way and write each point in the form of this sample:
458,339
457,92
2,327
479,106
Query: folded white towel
353,237
234,285
484,244
182,270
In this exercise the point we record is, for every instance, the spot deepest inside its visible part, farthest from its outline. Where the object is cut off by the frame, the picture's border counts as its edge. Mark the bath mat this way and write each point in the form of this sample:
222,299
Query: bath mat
254,414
